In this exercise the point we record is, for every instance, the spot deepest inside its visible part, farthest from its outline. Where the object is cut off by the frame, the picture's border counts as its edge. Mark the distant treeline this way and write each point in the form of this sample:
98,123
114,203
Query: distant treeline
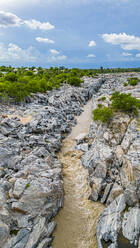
99,70
18,83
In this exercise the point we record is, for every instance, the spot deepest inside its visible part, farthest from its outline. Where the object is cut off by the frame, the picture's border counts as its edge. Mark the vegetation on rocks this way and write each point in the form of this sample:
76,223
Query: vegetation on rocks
16,84
103,114
119,102
133,81
125,84
103,98
125,103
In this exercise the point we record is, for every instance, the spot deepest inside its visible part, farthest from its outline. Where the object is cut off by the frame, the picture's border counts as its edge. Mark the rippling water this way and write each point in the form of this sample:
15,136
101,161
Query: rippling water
76,222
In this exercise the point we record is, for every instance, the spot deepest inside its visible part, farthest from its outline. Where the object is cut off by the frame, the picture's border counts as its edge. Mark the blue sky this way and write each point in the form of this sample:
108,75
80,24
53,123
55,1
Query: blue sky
73,33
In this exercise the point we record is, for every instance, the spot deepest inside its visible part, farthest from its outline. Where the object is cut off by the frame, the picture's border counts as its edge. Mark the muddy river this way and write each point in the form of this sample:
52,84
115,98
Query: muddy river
76,222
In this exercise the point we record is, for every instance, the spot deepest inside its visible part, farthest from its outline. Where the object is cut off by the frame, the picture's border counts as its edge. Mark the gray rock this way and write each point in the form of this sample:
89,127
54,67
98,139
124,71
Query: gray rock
19,187
82,147
45,243
109,224
38,232
4,233
131,225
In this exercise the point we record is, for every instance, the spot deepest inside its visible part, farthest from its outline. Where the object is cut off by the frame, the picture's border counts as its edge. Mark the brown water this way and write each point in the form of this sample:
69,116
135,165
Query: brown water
76,222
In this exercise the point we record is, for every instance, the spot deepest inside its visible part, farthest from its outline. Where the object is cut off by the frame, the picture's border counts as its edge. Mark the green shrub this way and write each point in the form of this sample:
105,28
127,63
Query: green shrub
103,98
133,81
29,73
103,114
122,102
27,185
11,76
74,81
125,84
100,105
125,103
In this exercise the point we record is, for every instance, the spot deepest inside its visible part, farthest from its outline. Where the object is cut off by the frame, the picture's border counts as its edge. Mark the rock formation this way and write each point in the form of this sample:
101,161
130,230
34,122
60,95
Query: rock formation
113,163
31,183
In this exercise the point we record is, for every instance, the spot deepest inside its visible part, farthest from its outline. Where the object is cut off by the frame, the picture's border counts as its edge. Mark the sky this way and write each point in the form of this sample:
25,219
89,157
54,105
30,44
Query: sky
70,33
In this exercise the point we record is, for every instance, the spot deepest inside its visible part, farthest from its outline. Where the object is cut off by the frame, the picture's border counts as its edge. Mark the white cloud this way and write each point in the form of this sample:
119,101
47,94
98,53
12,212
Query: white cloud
33,24
14,53
54,58
92,43
126,54
44,40
53,51
138,55
91,56
8,19
127,42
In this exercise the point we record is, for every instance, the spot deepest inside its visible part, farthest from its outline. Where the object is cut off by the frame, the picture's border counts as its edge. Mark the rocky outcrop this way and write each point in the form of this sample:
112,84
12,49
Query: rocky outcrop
31,183
113,163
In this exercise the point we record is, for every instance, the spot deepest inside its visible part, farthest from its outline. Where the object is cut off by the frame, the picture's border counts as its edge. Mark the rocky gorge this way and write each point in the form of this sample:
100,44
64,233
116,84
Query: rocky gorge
113,160
31,178
31,185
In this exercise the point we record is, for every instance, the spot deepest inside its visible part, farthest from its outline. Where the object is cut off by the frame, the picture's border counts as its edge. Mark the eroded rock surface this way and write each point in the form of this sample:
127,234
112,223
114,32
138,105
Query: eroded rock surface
113,163
31,183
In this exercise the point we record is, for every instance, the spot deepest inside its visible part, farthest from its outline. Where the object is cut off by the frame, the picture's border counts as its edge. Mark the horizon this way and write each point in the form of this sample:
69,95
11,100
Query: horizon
83,34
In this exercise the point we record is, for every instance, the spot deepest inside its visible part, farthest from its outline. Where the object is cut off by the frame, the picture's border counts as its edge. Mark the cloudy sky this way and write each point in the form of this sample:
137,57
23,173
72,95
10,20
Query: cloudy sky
73,33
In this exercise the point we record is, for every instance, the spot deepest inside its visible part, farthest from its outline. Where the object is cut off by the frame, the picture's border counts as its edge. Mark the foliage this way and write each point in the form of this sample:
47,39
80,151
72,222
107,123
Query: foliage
27,185
11,76
133,81
100,105
16,84
103,98
103,114
120,102
74,81
125,103
125,84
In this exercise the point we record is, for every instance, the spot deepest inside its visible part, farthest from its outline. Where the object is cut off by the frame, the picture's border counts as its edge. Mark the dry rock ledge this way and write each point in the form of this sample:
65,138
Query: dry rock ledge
112,157
31,184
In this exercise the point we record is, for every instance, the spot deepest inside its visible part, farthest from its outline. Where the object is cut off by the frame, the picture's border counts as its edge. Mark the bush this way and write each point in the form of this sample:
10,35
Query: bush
125,84
122,102
103,114
103,98
125,103
74,81
100,105
133,81
11,76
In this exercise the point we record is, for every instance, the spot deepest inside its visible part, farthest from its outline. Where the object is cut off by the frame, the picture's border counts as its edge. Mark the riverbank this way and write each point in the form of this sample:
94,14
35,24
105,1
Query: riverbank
31,178
113,161
31,184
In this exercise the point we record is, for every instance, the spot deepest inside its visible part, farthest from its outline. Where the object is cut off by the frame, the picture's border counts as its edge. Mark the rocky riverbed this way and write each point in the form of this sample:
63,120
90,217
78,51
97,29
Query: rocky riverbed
31,181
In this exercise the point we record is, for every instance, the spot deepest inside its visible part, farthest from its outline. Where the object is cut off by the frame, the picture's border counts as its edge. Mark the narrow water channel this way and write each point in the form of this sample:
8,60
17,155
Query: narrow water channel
76,222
